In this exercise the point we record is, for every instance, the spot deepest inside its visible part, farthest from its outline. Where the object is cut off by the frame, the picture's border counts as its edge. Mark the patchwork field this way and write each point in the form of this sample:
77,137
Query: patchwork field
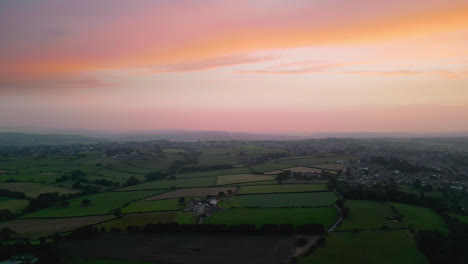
255,183
279,188
32,190
48,226
368,215
304,170
140,220
282,200
418,217
259,216
101,203
367,248
240,178
179,183
192,192
14,205
330,166
312,161
270,166
212,173
152,206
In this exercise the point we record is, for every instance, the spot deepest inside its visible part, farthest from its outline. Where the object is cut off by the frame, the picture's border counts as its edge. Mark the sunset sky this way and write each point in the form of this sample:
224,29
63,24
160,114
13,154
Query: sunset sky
290,66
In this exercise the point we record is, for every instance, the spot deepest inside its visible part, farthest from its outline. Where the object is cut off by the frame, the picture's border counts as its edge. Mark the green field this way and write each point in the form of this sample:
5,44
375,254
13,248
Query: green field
212,173
418,217
295,216
254,183
151,206
367,248
240,178
282,200
411,189
14,205
270,166
179,183
32,189
461,218
279,188
140,220
368,215
312,161
101,203
330,166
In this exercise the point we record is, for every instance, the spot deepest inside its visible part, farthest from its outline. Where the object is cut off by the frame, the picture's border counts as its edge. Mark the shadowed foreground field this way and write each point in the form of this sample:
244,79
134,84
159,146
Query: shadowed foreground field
180,248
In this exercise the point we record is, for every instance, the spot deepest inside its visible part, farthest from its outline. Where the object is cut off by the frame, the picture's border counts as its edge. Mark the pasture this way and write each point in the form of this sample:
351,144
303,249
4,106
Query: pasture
152,206
366,215
279,188
49,226
282,200
330,166
419,218
192,192
304,170
241,178
260,216
14,205
140,220
386,247
32,189
101,203
255,183
312,161
212,173
179,183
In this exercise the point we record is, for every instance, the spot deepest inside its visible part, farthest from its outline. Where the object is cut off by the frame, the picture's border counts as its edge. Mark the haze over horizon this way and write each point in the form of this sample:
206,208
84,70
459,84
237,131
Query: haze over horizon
245,66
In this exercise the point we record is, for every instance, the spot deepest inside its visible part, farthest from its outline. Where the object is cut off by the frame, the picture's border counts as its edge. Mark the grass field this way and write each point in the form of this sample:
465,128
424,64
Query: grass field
151,206
270,166
240,178
418,217
255,183
14,205
330,166
304,170
411,189
258,217
212,173
140,220
368,215
367,248
101,203
192,192
48,226
461,218
31,189
312,161
279,188
179,183
282,200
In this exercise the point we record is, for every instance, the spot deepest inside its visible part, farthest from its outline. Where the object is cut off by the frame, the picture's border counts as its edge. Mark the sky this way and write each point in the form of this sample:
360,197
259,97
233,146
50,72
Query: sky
264,66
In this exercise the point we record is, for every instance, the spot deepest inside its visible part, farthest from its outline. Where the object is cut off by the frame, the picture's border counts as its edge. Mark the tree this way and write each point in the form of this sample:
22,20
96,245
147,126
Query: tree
64,203
132,181
85,202
229,192
182,200
118,212
6,232
221,193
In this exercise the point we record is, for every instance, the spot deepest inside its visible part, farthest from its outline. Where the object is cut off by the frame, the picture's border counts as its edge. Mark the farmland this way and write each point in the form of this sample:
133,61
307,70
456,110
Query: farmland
101,203
282,200
260,216
14,205
31,189
418,217
179,183
155,205
192,192
368,247
212,173
279,188
241,178
368,215
47,226
140,220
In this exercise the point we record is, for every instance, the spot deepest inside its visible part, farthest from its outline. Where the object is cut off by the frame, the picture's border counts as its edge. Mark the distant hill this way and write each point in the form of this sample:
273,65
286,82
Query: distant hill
23,139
